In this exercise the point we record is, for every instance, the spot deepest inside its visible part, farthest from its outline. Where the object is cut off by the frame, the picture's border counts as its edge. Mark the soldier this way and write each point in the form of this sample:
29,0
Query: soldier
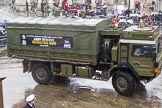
142,24
139,51
30,101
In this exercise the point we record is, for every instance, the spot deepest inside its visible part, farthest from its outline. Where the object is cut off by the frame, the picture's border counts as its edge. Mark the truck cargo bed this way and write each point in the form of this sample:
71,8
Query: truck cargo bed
67,40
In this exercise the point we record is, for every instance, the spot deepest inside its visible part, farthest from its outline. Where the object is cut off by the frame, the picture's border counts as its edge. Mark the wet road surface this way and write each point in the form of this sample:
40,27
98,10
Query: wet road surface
72,92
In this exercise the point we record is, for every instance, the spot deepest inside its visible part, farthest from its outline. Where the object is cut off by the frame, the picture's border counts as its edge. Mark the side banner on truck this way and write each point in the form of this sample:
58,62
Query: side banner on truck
46,41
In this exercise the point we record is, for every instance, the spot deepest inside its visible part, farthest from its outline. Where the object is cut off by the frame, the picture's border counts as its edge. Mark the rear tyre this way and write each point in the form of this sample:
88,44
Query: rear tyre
124,83
41,74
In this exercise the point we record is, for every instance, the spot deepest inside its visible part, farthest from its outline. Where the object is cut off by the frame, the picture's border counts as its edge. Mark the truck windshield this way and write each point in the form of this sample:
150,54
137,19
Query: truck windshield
144,51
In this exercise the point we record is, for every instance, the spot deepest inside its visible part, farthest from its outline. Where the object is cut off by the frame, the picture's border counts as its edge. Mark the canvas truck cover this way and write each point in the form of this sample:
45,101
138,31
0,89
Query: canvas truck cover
55,39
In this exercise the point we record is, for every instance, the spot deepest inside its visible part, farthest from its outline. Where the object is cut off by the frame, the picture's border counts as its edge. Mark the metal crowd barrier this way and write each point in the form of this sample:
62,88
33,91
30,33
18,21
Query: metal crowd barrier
3,41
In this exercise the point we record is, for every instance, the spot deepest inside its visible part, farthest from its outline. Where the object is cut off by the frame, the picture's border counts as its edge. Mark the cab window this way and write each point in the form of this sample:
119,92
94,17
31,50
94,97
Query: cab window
142,51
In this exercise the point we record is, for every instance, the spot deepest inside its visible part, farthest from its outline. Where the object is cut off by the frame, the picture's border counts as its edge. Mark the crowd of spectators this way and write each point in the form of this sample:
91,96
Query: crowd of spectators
76,9
86,10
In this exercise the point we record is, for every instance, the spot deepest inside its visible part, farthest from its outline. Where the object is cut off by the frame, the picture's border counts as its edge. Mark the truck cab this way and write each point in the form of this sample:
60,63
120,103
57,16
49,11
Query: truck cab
139,58
141,47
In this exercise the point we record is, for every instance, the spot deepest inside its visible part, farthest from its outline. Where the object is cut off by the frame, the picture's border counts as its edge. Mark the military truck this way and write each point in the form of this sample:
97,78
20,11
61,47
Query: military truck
86,48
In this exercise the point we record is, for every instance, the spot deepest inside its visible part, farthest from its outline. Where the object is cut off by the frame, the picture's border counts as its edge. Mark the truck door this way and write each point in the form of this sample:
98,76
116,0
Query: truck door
141,59
124,49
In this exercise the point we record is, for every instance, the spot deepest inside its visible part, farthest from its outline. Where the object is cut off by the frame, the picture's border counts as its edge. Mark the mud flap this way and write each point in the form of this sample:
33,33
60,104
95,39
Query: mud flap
25,65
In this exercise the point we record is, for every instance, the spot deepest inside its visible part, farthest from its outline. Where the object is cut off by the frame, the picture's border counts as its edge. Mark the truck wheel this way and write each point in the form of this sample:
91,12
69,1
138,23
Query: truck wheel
124,83
41,74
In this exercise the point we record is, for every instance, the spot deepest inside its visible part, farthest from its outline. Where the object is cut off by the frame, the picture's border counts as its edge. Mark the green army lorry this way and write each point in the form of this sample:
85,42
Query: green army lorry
87,48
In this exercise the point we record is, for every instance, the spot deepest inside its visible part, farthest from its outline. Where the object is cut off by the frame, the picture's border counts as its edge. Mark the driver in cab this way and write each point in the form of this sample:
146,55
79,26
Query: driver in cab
139,51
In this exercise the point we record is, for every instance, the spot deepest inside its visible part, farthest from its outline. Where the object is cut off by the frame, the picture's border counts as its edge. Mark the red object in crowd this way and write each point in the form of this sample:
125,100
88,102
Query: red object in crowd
65,5
114,21
119,25
151,23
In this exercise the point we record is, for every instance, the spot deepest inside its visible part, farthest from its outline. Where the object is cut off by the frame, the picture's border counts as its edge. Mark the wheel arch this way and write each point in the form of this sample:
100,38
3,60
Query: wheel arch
125,68
32,63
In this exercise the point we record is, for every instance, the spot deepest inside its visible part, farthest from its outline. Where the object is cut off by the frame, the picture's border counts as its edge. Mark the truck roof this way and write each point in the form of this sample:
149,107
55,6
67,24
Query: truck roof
136,33
60,23
112,30
55,21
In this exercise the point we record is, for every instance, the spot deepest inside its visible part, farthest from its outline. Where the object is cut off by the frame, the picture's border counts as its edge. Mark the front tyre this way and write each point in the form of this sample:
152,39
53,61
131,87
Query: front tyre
124,83
41,74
